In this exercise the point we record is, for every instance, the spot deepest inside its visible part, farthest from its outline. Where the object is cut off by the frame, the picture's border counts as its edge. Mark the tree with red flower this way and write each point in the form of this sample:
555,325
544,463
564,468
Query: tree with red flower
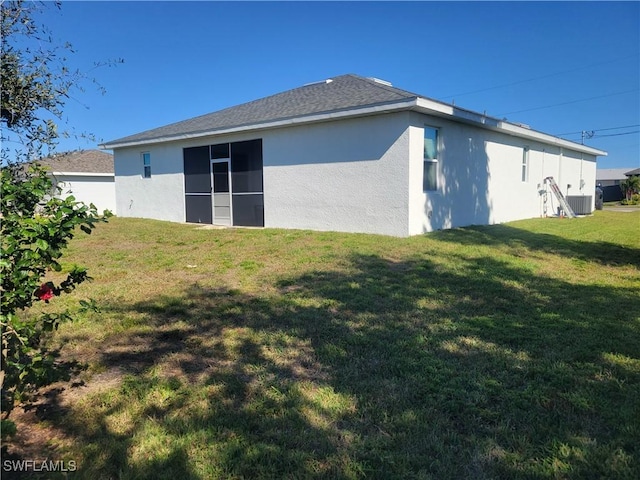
37,221
45,292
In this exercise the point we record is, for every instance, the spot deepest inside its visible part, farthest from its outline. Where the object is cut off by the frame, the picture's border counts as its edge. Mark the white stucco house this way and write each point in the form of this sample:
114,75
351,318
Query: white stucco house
86,174
349,154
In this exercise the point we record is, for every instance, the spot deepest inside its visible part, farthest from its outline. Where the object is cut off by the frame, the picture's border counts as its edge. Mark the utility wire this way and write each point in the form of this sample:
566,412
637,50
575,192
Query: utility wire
539,78
616,134
596,130
567,103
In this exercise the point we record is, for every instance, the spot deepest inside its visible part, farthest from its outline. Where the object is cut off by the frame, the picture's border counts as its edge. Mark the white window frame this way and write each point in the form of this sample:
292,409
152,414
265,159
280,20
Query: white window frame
525,164
432,161
146,167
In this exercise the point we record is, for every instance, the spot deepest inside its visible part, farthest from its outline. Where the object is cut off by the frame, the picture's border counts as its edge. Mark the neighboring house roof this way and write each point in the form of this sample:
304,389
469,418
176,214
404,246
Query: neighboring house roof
633,172
81,161
610,174
339,97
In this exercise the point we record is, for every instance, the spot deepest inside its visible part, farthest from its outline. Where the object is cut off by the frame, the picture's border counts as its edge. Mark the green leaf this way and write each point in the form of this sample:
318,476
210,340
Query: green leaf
8,428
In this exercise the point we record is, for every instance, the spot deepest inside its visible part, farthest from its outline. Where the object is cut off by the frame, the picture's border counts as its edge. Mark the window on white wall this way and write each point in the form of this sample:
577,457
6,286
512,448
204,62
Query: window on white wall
525,164
430,171
146,165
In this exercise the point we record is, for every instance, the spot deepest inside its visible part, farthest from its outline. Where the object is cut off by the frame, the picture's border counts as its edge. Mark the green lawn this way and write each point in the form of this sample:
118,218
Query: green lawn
508,351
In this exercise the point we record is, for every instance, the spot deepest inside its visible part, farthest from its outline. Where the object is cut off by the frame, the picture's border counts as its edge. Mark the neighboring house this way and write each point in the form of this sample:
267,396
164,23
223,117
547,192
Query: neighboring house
609,180
85,174
347,154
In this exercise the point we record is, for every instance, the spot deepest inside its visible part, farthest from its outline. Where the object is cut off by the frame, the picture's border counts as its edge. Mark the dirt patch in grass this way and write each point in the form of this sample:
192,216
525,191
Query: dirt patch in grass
40,435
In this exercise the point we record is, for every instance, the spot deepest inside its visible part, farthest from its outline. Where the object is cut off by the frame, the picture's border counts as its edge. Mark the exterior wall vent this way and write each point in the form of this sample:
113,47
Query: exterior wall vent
383,82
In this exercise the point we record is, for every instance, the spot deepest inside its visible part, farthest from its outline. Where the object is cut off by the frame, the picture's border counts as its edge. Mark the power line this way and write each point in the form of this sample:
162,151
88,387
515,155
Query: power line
539,78
596,130
567,103
616,134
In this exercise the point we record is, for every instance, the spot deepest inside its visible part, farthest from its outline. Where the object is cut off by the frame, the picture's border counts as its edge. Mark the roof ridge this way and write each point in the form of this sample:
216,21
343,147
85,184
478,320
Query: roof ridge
80,151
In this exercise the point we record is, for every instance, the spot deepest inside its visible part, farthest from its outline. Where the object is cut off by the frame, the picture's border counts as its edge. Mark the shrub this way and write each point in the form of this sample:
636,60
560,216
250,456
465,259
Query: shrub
630,187
634,200
36,227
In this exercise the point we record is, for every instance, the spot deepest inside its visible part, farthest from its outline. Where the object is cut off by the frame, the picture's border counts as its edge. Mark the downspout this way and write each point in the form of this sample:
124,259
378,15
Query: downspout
581,177
542,188
559,181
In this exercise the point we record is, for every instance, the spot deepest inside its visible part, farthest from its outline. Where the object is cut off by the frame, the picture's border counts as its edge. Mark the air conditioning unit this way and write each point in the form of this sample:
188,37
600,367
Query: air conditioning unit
580,204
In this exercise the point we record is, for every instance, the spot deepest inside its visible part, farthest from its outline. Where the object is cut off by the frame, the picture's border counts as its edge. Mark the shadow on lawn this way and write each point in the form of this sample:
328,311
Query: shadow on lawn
605,253
391,370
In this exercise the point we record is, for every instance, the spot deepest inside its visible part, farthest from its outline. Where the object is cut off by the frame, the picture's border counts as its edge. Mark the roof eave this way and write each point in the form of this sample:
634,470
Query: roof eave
419,104
435,108
81,174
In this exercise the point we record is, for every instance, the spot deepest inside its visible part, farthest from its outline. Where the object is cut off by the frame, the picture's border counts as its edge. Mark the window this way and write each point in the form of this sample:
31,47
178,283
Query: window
430,172
525,164
146,164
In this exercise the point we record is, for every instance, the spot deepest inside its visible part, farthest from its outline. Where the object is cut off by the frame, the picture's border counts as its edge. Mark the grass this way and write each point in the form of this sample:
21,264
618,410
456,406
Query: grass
509,351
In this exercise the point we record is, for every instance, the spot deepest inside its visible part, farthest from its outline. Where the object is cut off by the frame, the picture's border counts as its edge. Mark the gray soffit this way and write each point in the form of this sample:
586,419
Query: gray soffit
339,97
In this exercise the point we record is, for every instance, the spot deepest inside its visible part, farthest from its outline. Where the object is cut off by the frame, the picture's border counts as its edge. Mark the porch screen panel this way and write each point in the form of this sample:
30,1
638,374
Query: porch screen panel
246,183
198,209
248,210
197,177
197,185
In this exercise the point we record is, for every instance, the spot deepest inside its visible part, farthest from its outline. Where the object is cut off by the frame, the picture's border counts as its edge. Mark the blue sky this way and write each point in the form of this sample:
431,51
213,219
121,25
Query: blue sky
579,60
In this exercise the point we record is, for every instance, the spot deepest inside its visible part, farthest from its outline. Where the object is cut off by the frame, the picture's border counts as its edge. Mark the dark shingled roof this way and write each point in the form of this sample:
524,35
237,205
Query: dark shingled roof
83,161
341,93
633,172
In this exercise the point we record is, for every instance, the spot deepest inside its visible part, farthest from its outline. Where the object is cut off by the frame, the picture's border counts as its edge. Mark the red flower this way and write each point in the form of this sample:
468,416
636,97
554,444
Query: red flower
45,292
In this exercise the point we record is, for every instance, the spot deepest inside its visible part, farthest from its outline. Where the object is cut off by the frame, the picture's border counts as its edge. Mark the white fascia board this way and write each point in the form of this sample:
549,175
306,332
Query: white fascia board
432,107
81,174
320,117
518,131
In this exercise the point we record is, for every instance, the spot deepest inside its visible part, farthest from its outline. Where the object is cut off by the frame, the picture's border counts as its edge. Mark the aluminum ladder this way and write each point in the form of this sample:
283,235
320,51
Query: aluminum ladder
568,211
